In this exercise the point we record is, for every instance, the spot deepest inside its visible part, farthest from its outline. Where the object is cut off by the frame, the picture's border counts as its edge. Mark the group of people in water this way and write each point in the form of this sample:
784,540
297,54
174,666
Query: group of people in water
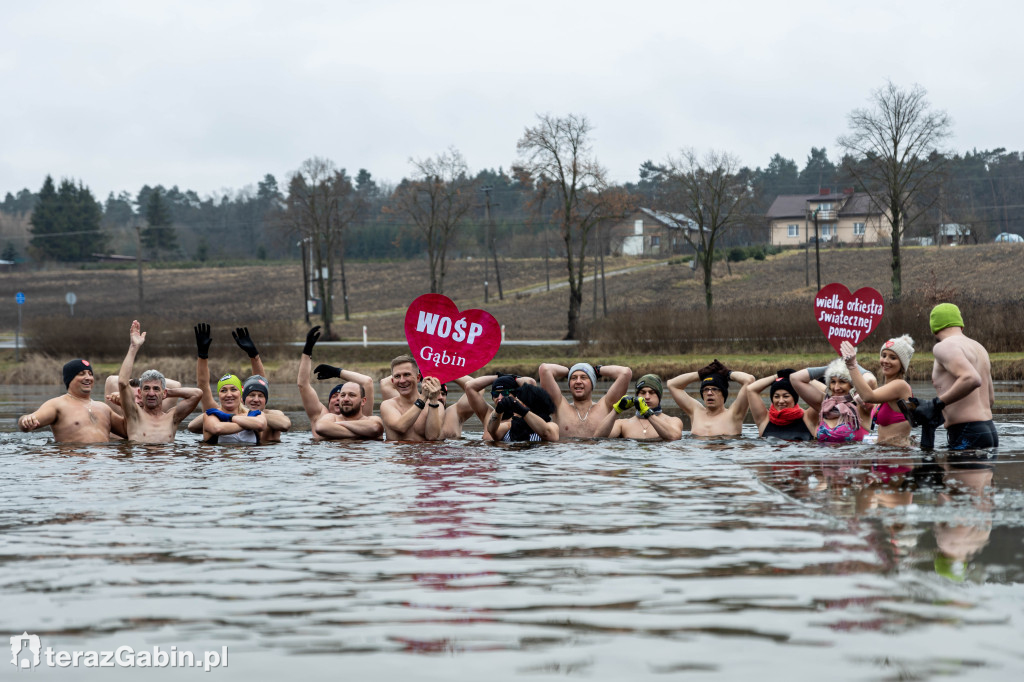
844,401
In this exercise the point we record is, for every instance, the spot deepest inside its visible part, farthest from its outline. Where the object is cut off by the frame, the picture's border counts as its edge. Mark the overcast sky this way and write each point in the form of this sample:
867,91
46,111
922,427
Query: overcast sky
212,95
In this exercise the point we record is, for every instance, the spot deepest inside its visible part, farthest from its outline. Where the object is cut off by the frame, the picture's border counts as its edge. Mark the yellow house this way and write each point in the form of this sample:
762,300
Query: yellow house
842,217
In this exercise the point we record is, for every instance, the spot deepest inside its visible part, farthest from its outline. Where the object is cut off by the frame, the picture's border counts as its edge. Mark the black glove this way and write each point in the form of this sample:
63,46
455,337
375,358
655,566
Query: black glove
784,373
311,338
244,341
203,340
518,407
927,414
327,372
504,406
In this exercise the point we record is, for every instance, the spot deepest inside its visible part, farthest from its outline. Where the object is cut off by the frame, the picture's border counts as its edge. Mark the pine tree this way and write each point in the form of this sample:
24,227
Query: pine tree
66,223
159,235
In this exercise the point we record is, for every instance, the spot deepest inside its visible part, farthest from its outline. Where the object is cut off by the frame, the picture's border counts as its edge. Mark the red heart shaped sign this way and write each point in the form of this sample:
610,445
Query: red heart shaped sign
843,316
446,343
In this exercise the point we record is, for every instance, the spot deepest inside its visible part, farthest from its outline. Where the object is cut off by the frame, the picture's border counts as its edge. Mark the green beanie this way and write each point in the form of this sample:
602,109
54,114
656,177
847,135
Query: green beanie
650,381
945,315
229,379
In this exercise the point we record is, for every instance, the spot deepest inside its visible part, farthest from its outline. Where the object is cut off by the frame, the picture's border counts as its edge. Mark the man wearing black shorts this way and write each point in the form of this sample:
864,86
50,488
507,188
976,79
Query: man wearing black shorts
962,376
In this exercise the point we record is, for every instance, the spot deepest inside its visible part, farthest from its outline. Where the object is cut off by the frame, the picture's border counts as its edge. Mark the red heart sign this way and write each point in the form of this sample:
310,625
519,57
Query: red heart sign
843,316
446,343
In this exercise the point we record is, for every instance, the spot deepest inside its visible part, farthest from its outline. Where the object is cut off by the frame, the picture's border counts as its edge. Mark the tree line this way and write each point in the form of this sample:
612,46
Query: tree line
552,202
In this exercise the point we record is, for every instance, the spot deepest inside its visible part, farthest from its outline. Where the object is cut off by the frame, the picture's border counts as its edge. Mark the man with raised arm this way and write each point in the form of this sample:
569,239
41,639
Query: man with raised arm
151,423
712,418
75,417
962,376
649,423
112,394
582,417
349,410
412,415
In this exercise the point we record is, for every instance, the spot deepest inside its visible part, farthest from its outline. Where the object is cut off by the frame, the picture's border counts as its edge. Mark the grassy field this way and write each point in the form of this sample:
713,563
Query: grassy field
763,309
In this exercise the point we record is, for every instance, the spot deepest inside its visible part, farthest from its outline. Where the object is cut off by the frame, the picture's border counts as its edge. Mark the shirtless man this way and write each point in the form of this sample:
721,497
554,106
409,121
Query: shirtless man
712,418
412,415
152,423
582,417
255,393
455,416
349,410
75,417
962,376
649,423
113,394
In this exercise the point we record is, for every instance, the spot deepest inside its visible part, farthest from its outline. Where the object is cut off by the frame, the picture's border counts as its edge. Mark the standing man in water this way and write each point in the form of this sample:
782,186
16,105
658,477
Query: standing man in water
151,423
962,376
649,423
582,417
75,417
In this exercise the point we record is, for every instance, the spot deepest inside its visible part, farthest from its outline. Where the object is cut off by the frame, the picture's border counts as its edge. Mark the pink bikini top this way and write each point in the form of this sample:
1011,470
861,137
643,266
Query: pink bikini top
883,415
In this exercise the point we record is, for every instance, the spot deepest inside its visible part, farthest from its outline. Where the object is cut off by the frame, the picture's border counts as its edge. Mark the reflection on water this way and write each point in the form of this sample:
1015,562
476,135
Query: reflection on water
734,559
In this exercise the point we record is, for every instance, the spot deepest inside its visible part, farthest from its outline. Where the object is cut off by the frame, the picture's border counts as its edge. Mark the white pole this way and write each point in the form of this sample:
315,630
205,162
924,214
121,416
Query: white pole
364,336
503,333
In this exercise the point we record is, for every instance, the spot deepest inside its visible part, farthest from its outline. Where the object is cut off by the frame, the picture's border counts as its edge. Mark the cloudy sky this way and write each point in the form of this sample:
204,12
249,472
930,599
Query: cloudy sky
212,95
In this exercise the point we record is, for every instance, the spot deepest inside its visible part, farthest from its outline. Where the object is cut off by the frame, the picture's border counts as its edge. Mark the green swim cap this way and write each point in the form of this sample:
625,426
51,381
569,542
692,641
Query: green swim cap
945,315
229,379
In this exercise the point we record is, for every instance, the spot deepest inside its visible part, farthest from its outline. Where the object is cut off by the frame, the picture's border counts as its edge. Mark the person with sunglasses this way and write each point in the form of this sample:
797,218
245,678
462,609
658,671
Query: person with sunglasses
521,414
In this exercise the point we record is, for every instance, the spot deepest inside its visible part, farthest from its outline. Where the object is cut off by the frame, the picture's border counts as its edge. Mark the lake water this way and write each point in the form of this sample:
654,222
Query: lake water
600,560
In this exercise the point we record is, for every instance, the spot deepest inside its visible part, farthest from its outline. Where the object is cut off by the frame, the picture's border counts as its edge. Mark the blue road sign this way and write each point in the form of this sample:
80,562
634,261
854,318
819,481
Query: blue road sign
20,298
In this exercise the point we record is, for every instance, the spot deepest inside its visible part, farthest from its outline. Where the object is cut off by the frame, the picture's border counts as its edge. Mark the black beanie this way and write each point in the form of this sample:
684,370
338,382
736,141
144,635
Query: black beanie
72,368
715,381
782,384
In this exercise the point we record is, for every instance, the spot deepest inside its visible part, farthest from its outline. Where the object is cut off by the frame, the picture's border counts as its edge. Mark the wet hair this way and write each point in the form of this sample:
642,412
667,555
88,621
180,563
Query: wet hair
153,375
402,359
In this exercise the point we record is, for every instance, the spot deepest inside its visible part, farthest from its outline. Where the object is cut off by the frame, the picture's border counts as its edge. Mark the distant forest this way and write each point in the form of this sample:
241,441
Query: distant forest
984,190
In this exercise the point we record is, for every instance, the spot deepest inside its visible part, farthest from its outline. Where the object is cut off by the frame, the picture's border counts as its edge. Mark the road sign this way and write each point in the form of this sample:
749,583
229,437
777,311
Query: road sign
71,298
19,298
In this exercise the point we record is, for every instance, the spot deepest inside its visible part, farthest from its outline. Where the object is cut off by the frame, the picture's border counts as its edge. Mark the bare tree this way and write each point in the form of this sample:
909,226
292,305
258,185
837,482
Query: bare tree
893,148
321,204
437,200
709,191
556,152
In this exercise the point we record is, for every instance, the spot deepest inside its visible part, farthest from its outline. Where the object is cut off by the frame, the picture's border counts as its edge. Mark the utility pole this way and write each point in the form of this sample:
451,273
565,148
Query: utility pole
817,249
138,262
491,241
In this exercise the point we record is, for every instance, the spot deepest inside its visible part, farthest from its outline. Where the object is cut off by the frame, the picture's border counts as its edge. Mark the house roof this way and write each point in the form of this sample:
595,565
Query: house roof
796,205
676,221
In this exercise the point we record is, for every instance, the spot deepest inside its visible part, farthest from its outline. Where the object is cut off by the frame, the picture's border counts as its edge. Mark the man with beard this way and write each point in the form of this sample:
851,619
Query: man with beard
75,417
649,423
151,423
415,414
712,418
352,400
582,417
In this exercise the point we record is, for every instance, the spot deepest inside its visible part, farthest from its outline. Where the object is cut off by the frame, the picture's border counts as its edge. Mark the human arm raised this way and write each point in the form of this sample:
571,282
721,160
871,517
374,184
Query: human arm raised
136,338
203,340
190,397
310,400
739,406
620,377
677,387
550,374
887,392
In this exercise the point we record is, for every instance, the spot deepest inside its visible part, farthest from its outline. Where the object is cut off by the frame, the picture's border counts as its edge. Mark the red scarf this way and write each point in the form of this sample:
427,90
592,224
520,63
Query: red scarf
786,416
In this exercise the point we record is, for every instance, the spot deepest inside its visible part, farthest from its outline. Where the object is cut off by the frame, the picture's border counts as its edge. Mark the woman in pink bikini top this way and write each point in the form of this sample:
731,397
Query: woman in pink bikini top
894,359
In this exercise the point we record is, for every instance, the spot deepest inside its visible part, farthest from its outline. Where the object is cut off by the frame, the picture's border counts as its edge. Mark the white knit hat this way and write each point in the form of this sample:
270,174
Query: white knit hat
837,368
903,347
